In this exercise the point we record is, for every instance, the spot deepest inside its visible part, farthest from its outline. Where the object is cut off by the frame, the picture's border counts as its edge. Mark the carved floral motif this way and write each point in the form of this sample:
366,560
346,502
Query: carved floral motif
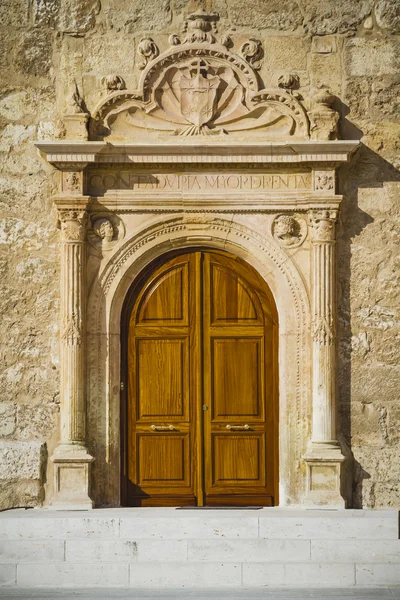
324,182
252,51
113,83
148,50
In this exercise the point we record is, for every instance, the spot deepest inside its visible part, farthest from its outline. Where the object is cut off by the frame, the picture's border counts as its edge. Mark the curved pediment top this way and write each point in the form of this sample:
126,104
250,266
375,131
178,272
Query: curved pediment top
201,85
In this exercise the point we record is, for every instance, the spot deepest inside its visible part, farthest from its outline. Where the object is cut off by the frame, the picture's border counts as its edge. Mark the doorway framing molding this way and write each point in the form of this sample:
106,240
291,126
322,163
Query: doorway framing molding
95,279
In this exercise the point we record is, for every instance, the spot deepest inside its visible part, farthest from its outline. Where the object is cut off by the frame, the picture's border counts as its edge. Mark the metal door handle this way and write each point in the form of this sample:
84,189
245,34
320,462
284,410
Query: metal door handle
238,426
162,427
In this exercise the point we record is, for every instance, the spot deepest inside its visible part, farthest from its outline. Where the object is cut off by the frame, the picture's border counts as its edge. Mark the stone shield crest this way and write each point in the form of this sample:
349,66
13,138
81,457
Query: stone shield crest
198,94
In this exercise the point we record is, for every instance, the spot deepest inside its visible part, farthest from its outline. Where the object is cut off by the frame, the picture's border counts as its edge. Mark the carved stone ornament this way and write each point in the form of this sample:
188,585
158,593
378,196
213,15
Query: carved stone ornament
322,225
113,83
289,231
73,225
324,182
198,86
72,182
72,333
105,230
323,119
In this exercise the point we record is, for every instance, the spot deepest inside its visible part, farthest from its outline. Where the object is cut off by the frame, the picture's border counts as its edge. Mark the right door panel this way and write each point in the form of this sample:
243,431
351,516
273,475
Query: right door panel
239,385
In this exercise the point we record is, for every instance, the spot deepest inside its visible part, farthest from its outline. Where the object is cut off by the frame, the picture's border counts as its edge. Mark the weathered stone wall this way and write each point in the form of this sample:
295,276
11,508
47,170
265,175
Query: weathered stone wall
351,45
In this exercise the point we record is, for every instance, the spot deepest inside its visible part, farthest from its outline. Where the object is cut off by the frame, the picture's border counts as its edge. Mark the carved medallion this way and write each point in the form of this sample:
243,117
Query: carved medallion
289,231
105,230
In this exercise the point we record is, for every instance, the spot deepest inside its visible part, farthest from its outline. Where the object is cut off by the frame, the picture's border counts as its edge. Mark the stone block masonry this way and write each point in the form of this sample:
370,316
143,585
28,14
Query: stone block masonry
47,48
170,549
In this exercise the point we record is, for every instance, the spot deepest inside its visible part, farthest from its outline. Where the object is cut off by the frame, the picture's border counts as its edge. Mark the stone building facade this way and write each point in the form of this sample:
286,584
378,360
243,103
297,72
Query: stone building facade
307,192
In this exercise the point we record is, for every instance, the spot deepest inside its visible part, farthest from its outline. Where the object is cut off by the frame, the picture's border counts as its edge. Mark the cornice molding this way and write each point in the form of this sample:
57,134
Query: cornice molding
64,154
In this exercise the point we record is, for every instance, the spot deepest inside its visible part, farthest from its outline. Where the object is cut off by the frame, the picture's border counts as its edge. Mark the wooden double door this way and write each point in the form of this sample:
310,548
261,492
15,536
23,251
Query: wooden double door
200,425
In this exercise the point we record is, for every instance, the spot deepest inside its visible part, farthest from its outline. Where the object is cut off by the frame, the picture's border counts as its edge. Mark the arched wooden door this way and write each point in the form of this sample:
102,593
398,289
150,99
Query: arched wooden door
200,419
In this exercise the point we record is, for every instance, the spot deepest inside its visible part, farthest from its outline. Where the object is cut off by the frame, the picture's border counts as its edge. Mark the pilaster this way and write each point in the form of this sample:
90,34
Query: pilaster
71,458
324,456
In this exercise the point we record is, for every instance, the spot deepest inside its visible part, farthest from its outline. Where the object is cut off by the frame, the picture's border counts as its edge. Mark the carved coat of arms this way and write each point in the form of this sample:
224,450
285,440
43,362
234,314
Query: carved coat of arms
198,94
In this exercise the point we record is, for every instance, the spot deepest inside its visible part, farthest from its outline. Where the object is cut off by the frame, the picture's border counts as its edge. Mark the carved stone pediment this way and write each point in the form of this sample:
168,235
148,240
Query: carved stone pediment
199,86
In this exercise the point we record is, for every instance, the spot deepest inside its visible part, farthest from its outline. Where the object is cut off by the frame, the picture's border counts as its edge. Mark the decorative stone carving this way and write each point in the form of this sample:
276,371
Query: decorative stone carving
71,459
199,87
73,225
105,231
148,50
324,452
112,83
76,117
72,333
324,182
252,51
72,182
322,225
289,81
323,119
289,231
75,103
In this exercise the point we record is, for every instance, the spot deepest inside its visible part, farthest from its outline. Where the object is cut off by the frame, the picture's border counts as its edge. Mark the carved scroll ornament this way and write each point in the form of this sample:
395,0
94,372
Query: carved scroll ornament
198,86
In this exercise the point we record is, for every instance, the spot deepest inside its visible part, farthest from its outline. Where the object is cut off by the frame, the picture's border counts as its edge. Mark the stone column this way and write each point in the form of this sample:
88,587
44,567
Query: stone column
324,456
71,458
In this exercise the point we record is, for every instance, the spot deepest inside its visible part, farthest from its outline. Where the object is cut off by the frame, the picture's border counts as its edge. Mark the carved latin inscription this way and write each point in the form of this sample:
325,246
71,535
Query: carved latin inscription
100,182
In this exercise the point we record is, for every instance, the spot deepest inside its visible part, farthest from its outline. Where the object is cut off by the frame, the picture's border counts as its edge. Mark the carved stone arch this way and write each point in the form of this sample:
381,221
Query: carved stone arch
104,313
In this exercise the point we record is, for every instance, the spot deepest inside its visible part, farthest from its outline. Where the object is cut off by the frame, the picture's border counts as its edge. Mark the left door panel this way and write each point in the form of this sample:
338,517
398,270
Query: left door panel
162,387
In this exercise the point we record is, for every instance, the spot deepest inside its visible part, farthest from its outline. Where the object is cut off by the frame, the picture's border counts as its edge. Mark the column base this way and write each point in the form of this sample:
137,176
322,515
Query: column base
324,460
71,478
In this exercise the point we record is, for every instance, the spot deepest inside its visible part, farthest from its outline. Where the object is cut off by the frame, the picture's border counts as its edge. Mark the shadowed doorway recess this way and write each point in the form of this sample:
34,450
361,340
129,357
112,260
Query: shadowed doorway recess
200,405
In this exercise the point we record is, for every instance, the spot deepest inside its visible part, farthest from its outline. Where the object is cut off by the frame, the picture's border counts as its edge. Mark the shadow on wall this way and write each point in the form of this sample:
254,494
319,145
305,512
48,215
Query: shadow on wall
367,169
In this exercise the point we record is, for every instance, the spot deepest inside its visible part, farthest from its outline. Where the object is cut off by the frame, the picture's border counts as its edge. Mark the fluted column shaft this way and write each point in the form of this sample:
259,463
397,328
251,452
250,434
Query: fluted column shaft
322,228
73,294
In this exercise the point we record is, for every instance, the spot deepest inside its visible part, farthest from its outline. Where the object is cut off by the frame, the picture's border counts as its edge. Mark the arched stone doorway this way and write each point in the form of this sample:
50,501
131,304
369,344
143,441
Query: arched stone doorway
199,335
105,308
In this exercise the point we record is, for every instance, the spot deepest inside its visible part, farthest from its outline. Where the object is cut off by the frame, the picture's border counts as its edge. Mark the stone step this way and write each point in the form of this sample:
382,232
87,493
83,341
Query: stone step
175,524
168,548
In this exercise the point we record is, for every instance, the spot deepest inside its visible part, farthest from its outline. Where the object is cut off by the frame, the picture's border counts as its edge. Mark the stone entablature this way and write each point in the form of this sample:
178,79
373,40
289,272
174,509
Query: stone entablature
233,166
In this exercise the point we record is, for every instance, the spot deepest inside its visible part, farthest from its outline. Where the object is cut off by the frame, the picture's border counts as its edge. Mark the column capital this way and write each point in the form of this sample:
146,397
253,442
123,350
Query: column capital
322,224
73,224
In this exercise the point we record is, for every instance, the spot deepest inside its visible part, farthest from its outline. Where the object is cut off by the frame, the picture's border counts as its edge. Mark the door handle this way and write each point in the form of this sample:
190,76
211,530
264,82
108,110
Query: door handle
238,427
162,427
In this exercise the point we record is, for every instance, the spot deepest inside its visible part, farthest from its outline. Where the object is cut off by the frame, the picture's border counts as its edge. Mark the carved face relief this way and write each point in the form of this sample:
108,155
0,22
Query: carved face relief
106,231
289,231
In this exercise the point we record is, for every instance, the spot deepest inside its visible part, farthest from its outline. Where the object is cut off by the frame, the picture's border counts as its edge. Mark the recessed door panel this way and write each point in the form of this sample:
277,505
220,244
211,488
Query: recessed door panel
238,459
231,300
162,379
163,460
236,378
166,300
201,413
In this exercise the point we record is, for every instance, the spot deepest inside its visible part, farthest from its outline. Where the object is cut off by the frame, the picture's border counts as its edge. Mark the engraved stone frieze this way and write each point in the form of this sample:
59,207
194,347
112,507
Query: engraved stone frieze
100,182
